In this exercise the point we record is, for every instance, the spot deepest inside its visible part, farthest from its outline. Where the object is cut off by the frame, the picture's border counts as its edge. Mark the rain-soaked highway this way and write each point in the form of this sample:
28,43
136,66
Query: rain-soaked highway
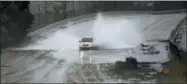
50,55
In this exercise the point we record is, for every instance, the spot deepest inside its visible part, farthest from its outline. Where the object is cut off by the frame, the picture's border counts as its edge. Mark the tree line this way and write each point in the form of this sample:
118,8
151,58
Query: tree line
15,20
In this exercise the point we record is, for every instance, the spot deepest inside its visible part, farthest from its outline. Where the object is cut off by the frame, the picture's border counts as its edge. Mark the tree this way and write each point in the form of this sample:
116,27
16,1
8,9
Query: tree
14,22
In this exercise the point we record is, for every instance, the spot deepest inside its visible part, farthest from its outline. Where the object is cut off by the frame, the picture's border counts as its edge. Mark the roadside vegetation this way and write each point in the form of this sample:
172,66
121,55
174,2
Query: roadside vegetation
15,19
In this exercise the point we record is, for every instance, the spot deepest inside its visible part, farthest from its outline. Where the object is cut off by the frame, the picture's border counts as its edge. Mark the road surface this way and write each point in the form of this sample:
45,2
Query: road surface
50,55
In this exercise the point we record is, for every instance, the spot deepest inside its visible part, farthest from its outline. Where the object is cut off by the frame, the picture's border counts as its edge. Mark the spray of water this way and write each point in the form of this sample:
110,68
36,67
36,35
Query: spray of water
60,40
109,32
114,33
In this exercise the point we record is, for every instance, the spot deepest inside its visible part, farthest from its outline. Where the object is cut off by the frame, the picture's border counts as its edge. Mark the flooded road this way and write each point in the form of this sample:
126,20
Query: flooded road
51,55
41,67
28,66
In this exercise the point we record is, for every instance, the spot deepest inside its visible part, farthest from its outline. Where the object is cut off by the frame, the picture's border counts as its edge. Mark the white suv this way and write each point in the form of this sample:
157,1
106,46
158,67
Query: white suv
86,44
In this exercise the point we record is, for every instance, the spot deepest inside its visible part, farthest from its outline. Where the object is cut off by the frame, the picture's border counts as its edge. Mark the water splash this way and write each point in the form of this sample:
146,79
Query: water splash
59,40
116,33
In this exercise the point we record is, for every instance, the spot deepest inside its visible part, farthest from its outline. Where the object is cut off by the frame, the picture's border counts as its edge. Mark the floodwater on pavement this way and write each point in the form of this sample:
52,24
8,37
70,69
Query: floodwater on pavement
52,55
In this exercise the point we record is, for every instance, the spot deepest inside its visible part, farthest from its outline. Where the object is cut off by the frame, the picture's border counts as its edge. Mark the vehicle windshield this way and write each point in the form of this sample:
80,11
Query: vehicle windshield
87,40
